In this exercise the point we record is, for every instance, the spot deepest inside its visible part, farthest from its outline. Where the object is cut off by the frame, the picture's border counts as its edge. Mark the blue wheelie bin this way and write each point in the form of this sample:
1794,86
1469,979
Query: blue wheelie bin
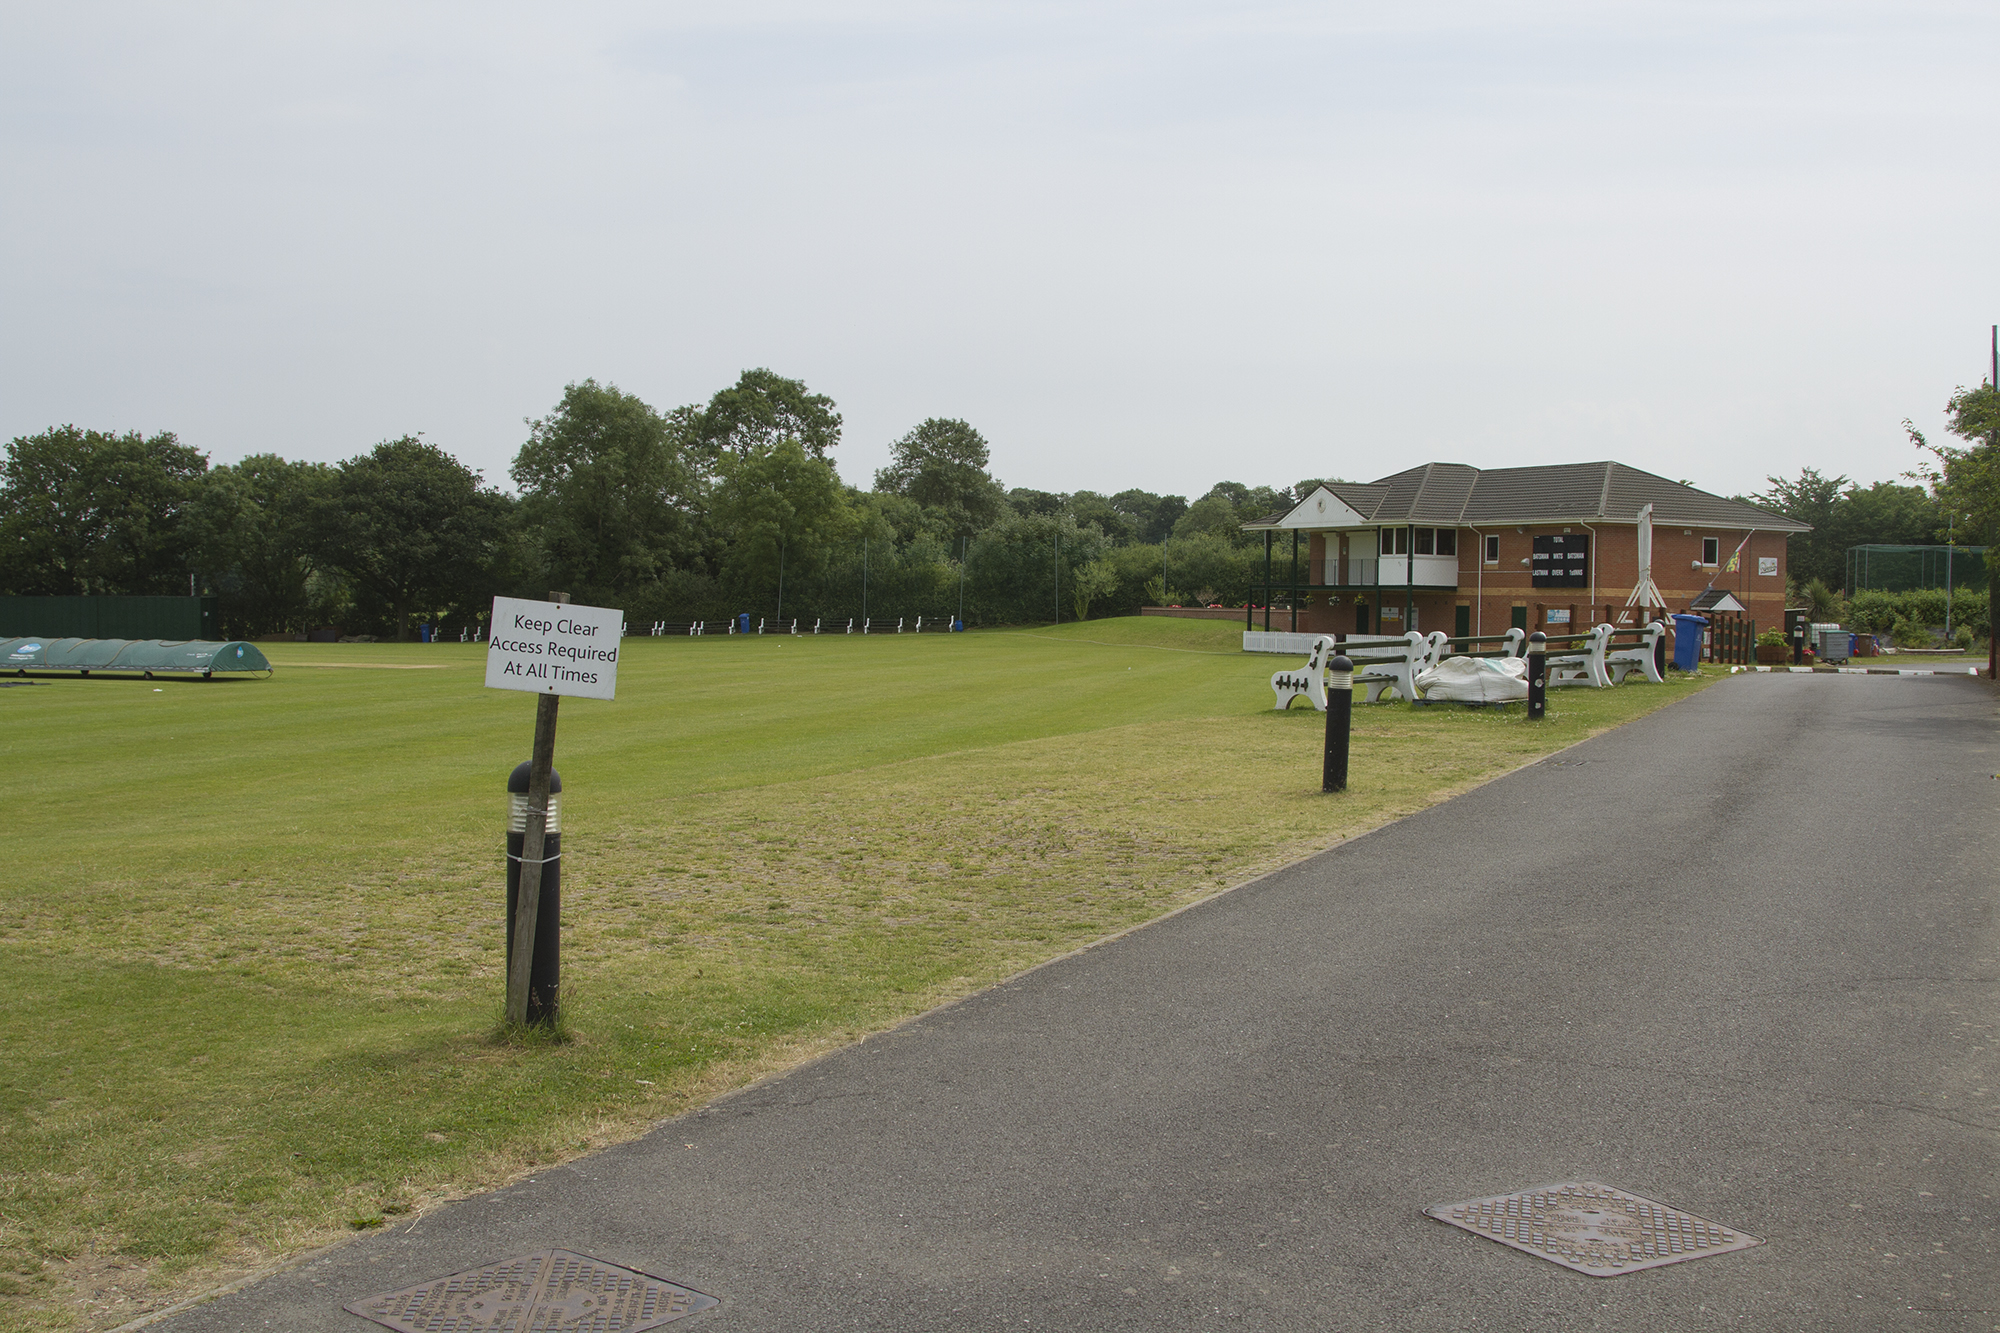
1687,641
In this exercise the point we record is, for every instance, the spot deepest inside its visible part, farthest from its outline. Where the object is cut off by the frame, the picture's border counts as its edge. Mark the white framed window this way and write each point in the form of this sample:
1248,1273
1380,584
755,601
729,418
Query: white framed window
1447,541
1711,550
1493,550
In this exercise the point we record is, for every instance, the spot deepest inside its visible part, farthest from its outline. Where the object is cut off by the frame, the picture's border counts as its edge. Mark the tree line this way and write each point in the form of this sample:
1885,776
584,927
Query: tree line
695,513
1955,498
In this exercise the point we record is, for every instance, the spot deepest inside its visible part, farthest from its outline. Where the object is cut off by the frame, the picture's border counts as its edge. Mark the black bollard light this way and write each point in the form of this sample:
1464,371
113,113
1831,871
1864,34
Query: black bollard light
545,971
1339,722
1538,670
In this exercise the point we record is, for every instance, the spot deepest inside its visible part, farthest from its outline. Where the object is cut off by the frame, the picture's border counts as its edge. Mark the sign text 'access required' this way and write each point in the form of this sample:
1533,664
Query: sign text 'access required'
553,648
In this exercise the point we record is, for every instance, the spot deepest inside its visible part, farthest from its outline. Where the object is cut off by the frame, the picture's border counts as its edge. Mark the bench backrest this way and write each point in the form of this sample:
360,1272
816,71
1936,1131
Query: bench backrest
1636,636
1510,644
1385,647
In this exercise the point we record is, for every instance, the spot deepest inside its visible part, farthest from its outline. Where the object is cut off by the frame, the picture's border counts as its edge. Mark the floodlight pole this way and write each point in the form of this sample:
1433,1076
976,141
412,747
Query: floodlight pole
527,911
1948,590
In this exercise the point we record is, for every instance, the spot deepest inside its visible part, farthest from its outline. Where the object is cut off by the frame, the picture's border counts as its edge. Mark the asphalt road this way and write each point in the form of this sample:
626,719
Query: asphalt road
1740,957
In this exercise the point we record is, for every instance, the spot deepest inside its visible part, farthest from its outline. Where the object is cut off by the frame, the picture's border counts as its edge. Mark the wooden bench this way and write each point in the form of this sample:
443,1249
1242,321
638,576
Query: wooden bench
1635,650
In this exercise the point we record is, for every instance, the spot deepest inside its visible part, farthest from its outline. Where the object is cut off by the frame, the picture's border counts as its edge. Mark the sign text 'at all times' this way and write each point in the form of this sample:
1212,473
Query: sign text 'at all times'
553,648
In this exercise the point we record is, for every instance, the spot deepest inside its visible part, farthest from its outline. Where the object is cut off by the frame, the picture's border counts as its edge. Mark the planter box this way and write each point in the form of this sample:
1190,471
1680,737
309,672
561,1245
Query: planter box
1773,654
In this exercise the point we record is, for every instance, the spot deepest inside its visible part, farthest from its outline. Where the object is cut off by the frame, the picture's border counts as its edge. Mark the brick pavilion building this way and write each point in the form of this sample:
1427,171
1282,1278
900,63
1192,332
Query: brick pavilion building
1474,550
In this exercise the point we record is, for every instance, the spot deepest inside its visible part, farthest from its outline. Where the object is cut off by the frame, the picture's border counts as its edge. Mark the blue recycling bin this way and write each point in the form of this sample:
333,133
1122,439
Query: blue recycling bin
743,623
1687,641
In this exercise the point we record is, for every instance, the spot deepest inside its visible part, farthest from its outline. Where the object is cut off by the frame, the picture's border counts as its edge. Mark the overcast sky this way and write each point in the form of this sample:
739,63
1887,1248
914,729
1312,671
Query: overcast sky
1151,245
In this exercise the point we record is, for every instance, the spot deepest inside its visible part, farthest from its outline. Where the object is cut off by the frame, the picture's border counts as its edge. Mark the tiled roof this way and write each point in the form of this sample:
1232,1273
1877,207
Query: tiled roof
1454,494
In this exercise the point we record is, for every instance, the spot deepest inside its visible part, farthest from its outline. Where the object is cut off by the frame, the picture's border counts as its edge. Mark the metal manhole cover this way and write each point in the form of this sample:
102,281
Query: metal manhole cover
555,1289
1593,1228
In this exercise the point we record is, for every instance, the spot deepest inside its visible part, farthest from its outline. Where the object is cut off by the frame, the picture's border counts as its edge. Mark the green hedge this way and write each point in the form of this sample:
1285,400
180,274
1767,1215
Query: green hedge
1877,612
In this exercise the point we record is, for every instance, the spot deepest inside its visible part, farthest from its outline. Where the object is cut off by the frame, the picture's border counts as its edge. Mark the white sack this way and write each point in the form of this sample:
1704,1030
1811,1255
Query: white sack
1476,680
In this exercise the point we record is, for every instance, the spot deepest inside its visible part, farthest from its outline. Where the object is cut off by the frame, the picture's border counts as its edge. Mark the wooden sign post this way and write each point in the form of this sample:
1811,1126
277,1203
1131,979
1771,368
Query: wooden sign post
550,648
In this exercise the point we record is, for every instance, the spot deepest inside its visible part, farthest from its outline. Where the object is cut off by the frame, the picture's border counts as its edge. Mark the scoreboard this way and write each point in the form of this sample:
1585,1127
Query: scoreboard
1561,562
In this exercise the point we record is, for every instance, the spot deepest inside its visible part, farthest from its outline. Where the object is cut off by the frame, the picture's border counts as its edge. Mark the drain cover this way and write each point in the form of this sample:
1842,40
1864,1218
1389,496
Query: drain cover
555,1289
1593,1228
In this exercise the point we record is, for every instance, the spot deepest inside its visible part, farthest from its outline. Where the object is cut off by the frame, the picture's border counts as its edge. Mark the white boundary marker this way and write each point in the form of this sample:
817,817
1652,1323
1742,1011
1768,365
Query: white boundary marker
1863,671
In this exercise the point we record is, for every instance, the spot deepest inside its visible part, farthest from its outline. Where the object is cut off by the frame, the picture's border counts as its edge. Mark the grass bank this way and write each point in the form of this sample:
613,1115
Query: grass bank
255,938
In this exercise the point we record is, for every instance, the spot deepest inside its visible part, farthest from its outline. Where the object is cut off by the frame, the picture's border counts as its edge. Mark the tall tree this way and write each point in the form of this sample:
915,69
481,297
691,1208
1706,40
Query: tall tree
1153,516
1843,515
1811,498
1886,512
84,511
607,491
1023,568
1028,501
251,529
942,466
1966,479
763,407
1212,515
413,528
1092,510
780,509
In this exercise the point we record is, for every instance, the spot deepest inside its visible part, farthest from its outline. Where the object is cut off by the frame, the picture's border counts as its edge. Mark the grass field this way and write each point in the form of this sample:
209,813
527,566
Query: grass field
254,938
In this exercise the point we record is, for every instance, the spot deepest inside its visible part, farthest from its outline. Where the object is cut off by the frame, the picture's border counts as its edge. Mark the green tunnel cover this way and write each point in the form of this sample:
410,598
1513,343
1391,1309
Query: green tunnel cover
130,655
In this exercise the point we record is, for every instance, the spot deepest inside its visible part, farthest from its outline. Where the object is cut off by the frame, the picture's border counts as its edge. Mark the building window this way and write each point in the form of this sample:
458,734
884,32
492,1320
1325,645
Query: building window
1711,550
1492,550
1428,541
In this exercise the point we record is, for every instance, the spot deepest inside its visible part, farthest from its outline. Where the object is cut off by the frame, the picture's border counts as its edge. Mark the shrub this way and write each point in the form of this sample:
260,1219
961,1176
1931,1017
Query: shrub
1924,606
1970,609
1908,634
1822,601
1139,583
1872,611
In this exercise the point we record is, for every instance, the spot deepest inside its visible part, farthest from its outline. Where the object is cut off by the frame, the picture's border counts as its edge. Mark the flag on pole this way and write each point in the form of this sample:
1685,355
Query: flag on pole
1736,556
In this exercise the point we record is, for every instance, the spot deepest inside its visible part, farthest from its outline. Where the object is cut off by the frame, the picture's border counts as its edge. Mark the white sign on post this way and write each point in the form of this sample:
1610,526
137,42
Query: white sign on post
553,648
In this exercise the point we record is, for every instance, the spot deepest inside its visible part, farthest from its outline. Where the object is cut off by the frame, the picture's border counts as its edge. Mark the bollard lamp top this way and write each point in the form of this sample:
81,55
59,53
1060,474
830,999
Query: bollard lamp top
517,781
1341,663
1538,637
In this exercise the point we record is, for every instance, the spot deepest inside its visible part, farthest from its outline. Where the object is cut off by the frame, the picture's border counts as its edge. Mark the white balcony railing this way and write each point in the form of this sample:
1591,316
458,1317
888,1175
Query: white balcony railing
1435,571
